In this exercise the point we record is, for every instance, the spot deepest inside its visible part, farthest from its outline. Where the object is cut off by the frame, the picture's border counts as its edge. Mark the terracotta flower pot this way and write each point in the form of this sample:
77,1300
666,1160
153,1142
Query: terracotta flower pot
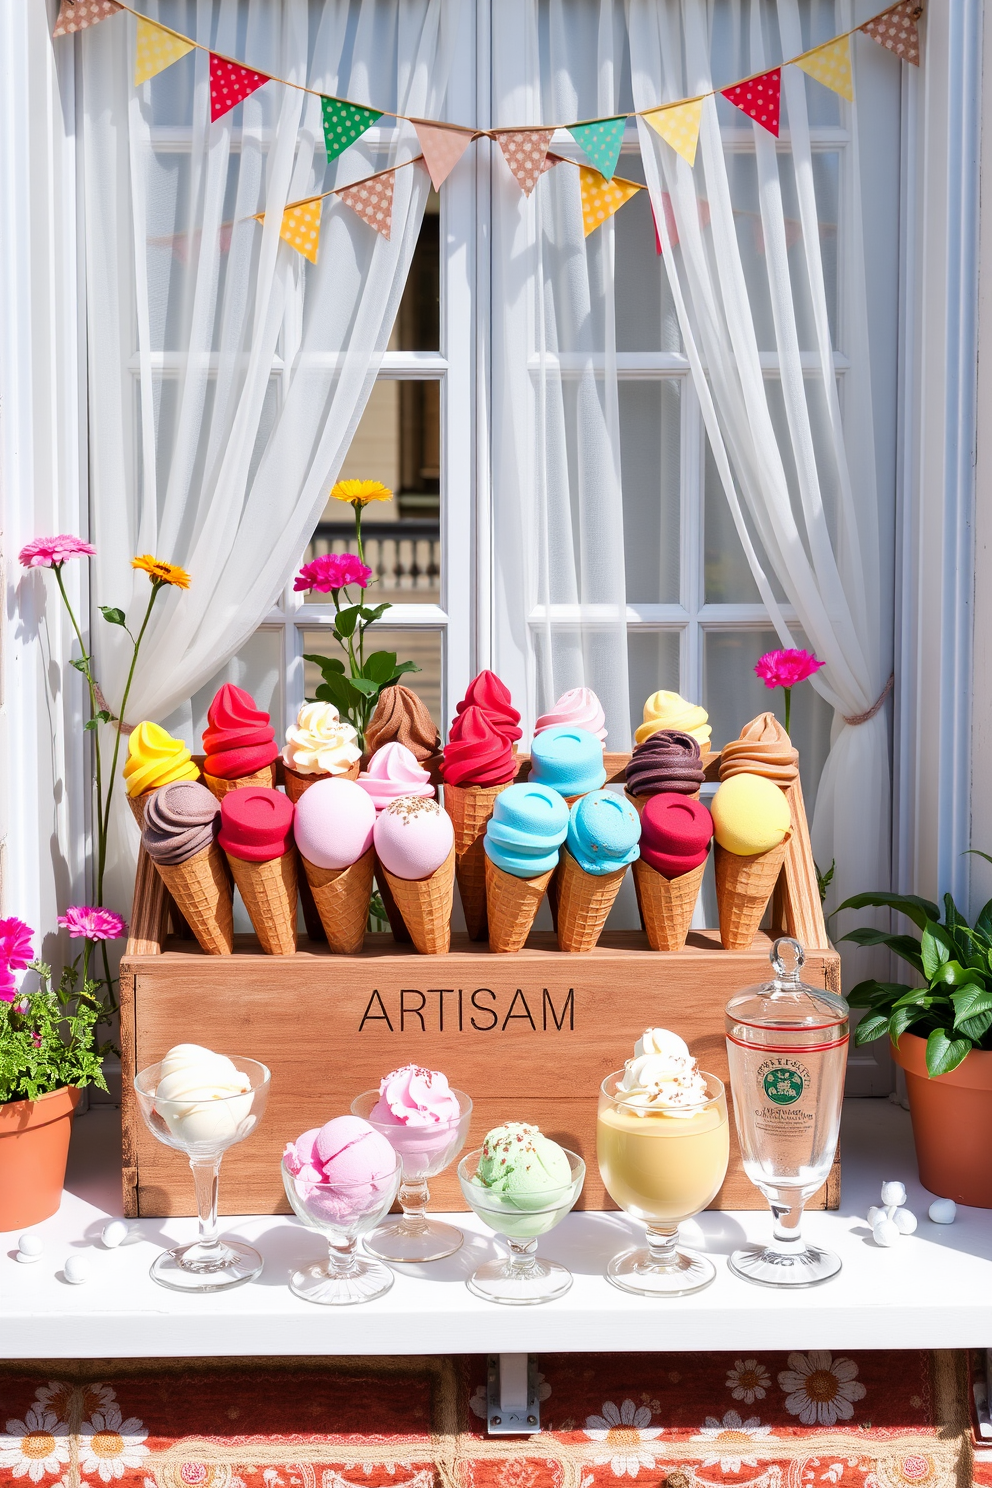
952,1116
34,1146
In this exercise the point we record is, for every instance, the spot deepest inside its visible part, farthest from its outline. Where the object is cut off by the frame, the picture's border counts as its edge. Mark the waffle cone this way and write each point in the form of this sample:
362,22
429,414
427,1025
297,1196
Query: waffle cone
396,923
584,901
296,783
137,805
512,904
470,807
666,904
743,889
269,891
425,904
342,898
202,892
266,776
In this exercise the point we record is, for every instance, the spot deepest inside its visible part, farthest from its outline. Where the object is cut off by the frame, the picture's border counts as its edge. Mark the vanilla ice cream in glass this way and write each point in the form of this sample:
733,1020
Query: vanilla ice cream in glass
202,1103
663,1144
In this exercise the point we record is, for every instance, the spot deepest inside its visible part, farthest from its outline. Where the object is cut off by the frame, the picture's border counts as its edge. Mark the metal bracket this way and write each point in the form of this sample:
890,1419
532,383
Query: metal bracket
513,1408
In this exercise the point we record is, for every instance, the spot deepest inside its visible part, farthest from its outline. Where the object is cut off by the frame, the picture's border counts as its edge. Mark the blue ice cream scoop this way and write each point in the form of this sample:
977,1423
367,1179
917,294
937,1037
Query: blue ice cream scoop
527,827
568,759
603,832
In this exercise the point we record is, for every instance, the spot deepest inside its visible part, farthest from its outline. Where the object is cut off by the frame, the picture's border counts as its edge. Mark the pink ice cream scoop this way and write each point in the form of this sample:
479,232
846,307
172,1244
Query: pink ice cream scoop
580,708
419,1112
334,822
339,1169
394,771
412,837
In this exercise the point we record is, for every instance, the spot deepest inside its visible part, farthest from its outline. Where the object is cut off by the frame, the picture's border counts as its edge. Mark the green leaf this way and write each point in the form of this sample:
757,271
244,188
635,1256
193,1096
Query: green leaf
404,666
867,994
113,616
346,620
975,1028
945,1054
380,666
326,663
338,690
906,946
922,997
870,1028
935,949
902,1018
80,663
365,686
969,1002
984,922
953,974
917,909
102,717
372,613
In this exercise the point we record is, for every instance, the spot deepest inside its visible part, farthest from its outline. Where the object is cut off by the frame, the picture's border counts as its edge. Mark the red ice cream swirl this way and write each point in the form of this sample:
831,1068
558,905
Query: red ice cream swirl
493,697
476,754
239,738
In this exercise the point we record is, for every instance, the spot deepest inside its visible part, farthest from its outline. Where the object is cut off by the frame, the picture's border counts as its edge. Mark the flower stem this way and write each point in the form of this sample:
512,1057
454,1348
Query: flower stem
788,706
358,529
101,834
156,586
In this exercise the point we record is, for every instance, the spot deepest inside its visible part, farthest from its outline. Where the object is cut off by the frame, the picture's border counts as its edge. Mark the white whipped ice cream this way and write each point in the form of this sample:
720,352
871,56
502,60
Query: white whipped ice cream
201,1096
662,1076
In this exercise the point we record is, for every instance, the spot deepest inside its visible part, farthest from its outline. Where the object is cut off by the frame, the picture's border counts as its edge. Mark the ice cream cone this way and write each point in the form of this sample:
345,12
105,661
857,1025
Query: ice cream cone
666,905
342,898
137,805
584,902
296,783
512,904
311,917
269,891
743,888
266,776
425,904
400,933
202,892
470,807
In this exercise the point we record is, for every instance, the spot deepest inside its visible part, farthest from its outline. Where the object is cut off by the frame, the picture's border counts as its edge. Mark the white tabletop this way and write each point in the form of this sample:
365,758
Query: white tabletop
932,1289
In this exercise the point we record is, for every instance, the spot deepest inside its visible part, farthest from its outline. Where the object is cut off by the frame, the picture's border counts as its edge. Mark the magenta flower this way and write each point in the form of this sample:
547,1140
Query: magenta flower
786,668
15,943
36,1039
332,571
52,552
93,924
8,986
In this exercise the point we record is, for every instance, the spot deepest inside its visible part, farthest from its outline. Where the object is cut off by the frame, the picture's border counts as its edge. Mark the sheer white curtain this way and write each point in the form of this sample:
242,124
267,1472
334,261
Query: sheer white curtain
226,375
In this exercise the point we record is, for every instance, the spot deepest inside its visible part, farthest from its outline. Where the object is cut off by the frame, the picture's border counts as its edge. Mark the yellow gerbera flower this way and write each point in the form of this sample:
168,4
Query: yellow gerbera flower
360,492
161,572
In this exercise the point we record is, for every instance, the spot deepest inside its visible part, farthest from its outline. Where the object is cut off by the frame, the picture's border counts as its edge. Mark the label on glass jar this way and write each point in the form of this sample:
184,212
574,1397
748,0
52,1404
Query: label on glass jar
783,1082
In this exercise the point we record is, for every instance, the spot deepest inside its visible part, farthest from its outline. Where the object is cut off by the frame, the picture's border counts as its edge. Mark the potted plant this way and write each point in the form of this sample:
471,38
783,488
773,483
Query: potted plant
940,1029
48,1054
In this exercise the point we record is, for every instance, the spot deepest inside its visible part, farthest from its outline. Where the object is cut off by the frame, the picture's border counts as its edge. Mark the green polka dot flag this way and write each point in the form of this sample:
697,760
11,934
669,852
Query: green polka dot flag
344,123
601,142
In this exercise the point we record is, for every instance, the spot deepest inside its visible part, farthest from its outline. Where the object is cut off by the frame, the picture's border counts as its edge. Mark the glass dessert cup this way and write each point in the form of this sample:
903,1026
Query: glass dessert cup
787,1046
522,1278
204,1130
661,1168
342,1212
424,1151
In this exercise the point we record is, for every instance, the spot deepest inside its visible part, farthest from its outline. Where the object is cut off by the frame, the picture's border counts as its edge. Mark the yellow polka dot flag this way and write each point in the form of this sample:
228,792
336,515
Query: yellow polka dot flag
601,198
831,66
679,127
156,50
301,227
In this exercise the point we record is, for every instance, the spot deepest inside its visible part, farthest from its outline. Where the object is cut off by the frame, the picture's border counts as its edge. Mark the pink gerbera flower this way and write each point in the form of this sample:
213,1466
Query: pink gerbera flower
15,943
93,924
52,552
8,986
786,668
332,571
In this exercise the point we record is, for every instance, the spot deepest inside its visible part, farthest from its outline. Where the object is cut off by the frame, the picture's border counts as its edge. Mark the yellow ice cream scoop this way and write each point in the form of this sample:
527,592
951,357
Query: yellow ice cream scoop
667,710
750,815
155,758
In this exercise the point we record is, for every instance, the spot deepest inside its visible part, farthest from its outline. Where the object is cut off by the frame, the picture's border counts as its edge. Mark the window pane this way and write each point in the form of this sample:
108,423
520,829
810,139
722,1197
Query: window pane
728,577
652,664
417,325
650,462
258,668
425,647
645,311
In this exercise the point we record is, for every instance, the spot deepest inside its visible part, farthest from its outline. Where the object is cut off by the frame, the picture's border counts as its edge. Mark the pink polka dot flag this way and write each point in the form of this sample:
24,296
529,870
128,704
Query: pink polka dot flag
524,151
759,97
443,148
897,30
230,84
76,17
373,201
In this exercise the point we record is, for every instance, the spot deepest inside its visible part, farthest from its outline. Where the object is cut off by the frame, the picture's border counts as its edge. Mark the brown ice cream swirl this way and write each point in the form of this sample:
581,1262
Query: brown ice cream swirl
764,748
400,715
180,821
668,760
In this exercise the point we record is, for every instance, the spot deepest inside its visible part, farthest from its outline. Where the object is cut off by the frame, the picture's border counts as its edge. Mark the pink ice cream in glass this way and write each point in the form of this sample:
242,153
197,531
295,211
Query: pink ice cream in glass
394,771
420,1111
339,1169
578,708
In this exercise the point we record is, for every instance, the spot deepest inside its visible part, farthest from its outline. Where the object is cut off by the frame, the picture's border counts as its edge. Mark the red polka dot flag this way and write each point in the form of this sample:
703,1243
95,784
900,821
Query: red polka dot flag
759,98
230,83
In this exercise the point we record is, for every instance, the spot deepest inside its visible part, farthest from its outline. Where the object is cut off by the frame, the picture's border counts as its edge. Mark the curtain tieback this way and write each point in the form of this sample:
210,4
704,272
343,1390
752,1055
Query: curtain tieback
870,713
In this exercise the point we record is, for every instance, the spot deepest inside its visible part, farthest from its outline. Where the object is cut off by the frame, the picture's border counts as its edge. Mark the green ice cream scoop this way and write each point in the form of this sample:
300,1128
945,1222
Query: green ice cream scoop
527,1170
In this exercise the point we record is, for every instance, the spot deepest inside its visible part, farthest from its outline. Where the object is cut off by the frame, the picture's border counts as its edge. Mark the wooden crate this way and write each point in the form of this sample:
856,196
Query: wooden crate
529,1037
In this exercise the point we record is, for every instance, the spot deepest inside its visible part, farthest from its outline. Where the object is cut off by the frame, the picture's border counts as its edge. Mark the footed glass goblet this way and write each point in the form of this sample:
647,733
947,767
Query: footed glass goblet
425,1151
204,1130
342,1212
522,1278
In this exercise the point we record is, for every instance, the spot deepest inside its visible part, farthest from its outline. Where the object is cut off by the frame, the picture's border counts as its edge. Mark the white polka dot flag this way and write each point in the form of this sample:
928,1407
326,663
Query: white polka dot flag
76,17
300,227
443,148
230,84
601,198
524,151
831,66
679,126
897,30
373,201
759,97
156,49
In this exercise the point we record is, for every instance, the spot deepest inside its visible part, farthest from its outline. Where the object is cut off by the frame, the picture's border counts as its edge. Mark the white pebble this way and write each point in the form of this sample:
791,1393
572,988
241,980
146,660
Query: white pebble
943,1211
875,1213
115,1232
893,1193
904,1221
885,1232
29,1246
76,1269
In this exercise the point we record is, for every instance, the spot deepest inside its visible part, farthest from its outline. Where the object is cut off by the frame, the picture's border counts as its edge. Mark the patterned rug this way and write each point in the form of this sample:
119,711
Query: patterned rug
799,1420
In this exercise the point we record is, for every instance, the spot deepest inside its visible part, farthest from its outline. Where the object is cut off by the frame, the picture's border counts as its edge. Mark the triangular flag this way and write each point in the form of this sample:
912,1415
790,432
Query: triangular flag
601,198
300,227
524,151
344,123
831,66
443,148
679,127
77,16
230,84
601,141
373,201
896,29
156,50
759,97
